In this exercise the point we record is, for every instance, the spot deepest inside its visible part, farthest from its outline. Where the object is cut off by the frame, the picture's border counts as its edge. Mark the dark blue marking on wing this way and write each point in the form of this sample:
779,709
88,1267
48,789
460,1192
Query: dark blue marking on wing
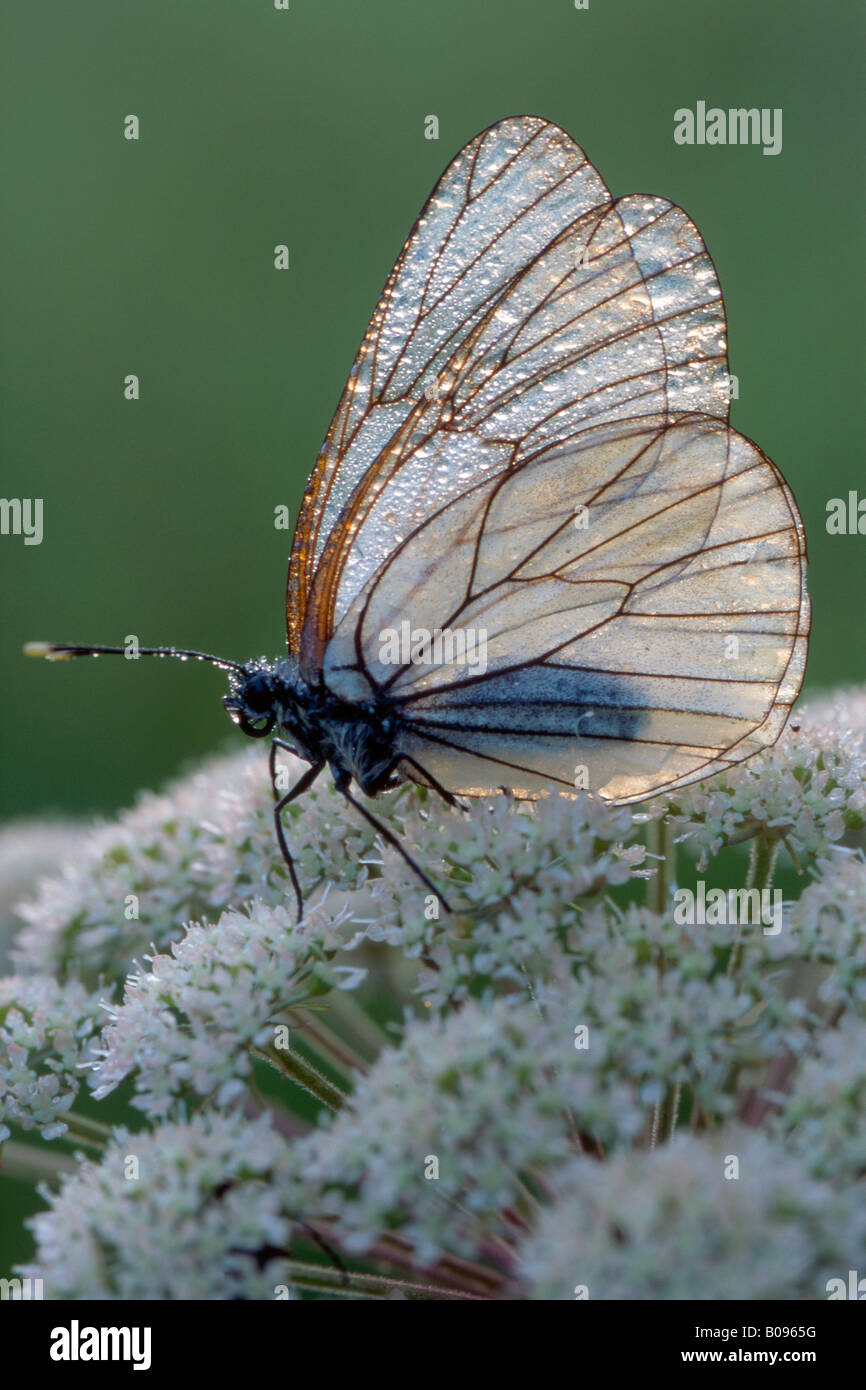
540,701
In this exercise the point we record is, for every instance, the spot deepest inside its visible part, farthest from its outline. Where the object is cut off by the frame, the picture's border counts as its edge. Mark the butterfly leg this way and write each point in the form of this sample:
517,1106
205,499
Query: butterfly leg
303,782
341,782
446,796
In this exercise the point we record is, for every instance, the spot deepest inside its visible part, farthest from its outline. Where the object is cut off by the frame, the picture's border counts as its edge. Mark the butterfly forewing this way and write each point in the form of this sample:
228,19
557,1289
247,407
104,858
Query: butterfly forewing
502,199
533,449
524,304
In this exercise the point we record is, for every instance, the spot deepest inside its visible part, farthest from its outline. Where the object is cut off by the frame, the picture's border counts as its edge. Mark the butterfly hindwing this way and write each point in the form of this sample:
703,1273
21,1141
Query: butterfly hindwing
629,601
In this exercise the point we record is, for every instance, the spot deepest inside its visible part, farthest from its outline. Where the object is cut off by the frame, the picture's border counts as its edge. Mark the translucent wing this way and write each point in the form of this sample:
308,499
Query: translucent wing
525,305
638,591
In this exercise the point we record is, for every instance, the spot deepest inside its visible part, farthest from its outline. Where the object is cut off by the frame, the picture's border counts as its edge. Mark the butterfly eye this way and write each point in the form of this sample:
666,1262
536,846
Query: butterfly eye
257,695
251,705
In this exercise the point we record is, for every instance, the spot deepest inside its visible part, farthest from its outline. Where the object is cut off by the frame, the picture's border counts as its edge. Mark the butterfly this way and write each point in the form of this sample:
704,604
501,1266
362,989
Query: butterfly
532,554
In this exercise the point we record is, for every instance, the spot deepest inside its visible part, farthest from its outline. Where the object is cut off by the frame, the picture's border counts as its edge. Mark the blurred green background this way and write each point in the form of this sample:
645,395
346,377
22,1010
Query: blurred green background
306,126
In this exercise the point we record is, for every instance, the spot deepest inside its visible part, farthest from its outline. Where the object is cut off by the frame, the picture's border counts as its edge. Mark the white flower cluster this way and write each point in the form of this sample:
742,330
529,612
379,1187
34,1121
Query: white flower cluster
827,926
188,1021
208,844
613,943
192,1211
488,1095
139,879
205,844
806,791
47,1031
562,1113
731,1216
822,1119
517,873
667,1014
29,849
496,1090
844,709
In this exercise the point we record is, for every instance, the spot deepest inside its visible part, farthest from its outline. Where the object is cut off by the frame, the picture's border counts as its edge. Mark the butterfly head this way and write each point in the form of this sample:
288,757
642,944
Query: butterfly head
253,701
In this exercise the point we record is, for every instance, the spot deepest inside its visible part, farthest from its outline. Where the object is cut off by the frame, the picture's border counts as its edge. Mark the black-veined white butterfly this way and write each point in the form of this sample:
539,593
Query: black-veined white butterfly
532,550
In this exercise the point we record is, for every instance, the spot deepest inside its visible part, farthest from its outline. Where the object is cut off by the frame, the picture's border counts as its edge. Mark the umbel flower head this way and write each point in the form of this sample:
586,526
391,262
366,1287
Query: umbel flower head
208,844
805,792
29,849
517,875
826,926
47,1032
732,1216
822,1118
205,844
192,1211
189,1022
437,1136
567,1075
496,1095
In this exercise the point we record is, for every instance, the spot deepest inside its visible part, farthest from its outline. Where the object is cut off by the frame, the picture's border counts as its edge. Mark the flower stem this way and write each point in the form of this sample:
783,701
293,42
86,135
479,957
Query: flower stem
29,1164
660,844
763,854
367,1034
675,1109
342,1057
338,1281
82,1130
304,1074
654,1128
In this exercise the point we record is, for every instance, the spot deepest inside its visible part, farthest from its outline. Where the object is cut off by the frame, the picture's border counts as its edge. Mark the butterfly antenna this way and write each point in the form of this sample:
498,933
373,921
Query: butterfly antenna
61,651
